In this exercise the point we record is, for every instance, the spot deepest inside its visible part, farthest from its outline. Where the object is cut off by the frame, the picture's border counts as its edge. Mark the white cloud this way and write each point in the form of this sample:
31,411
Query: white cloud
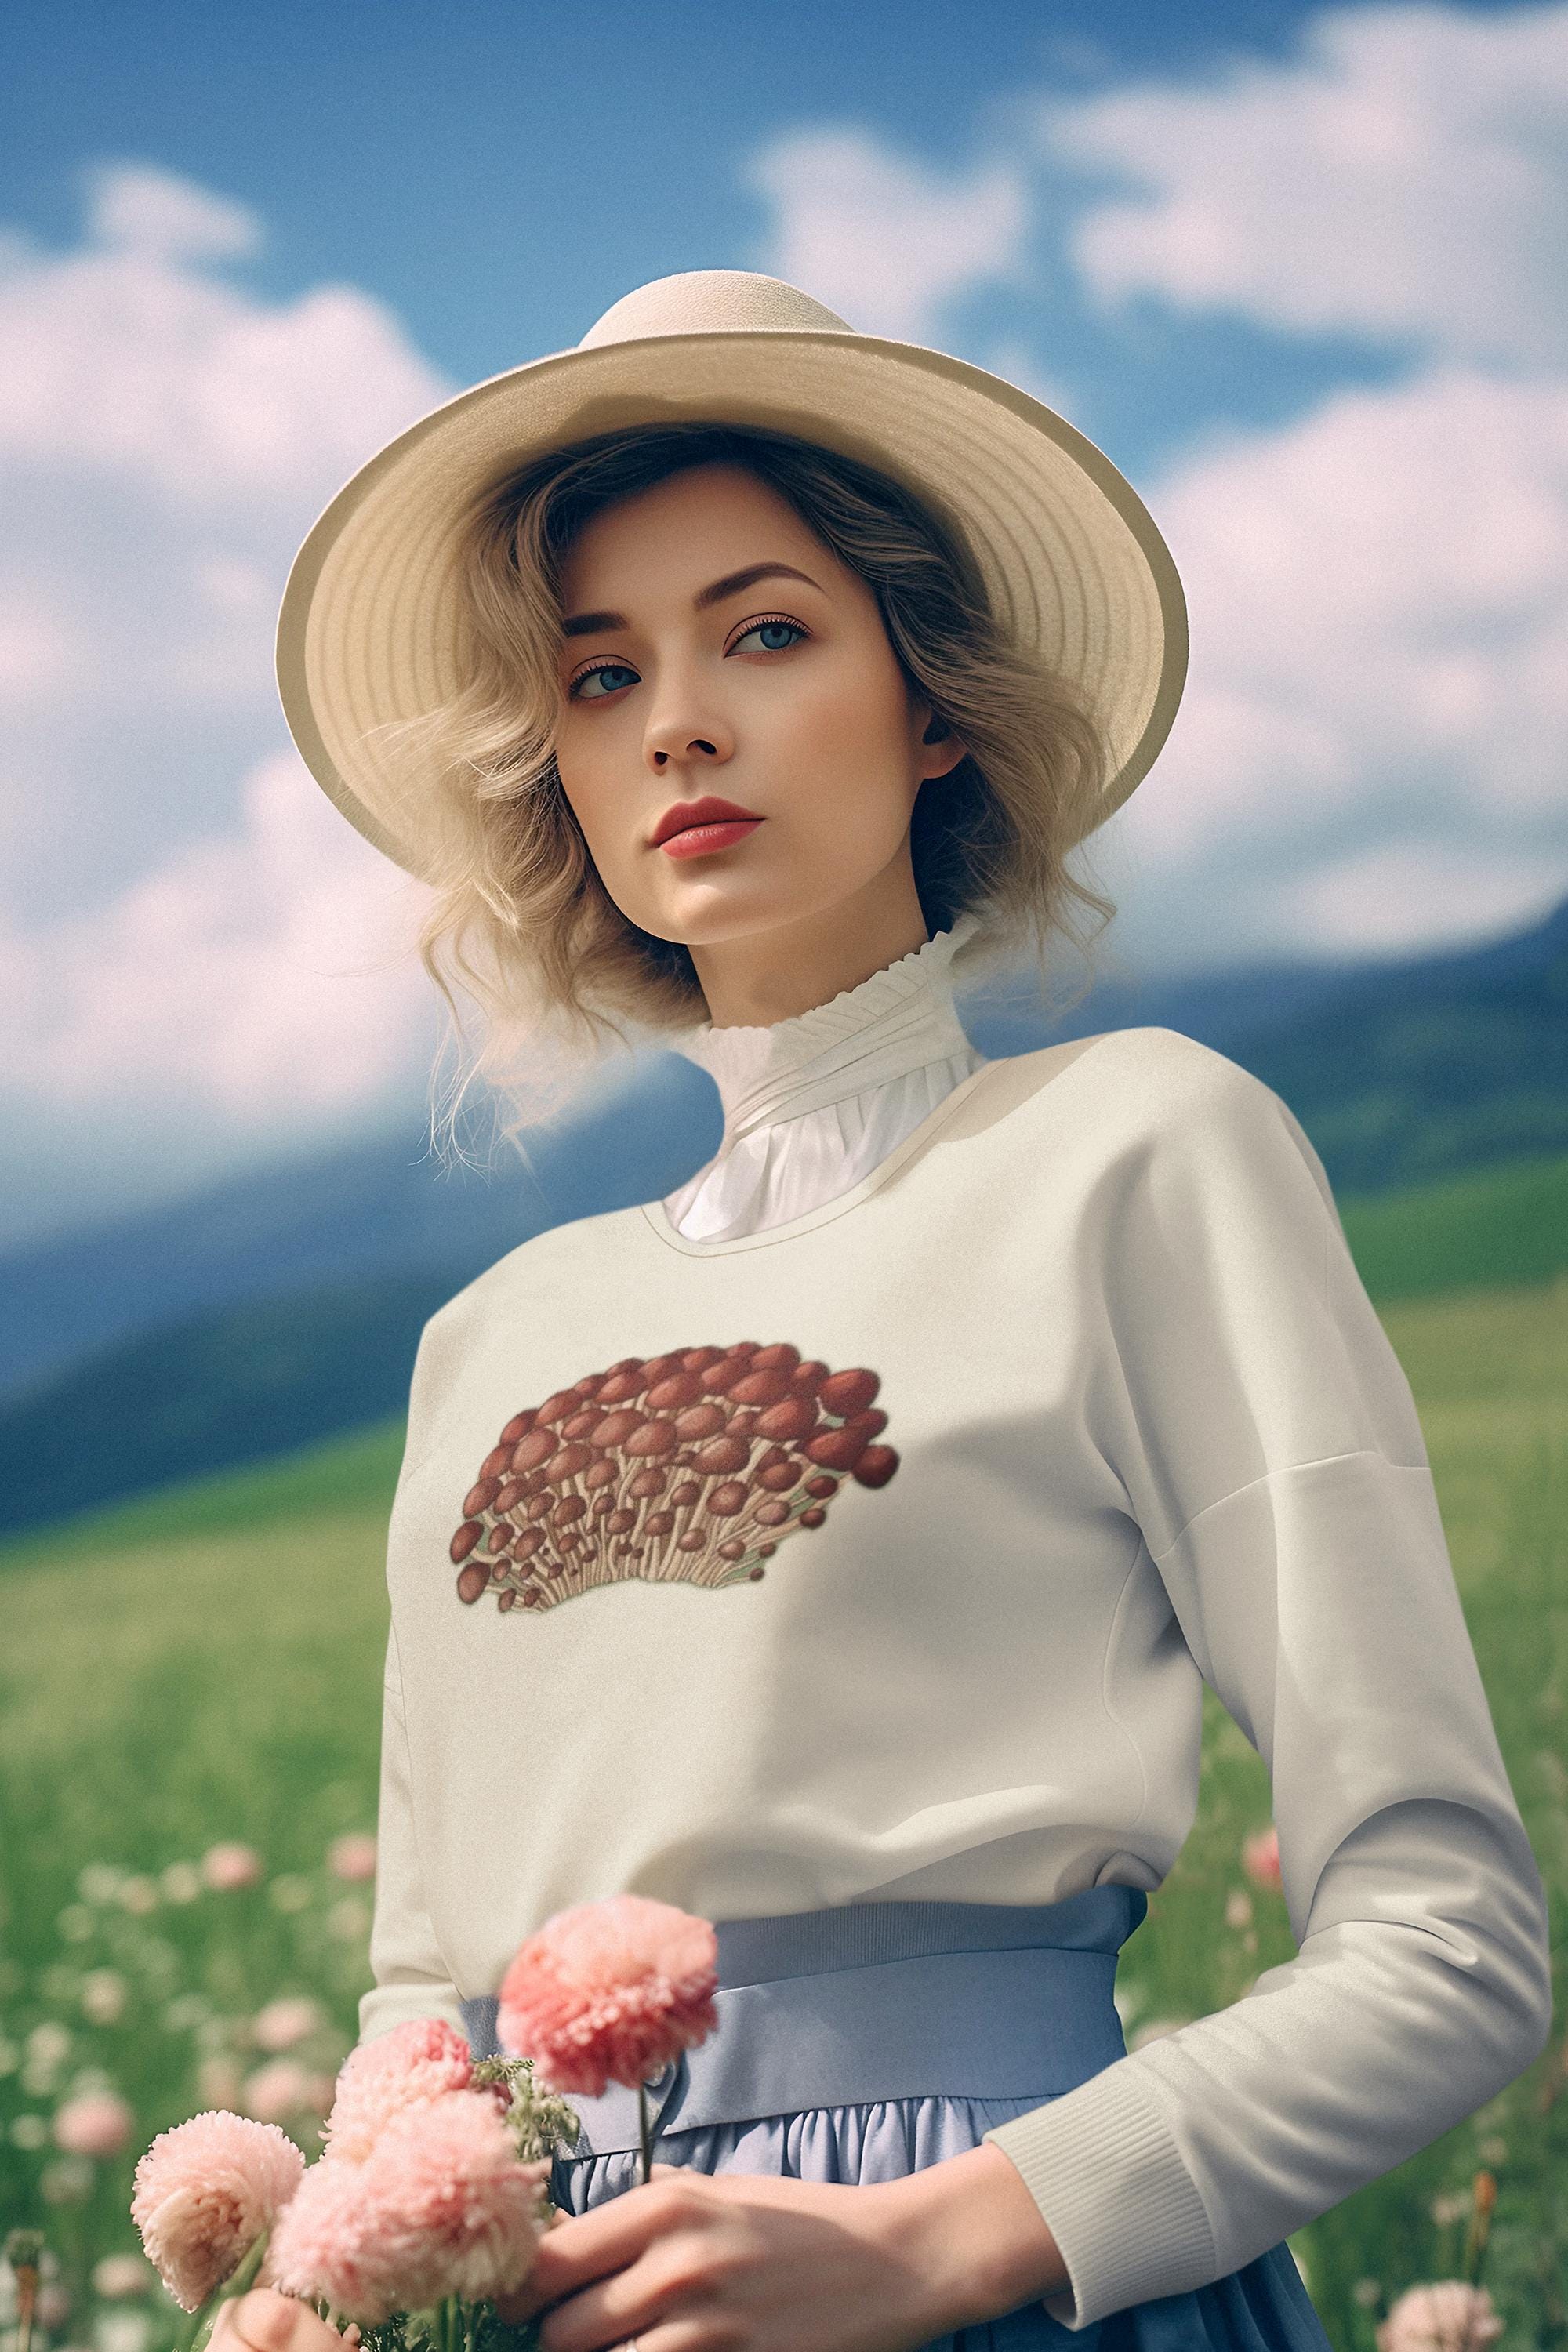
131,361
1403,177
1379,602
39,649
1389,899
145,210
258,980
884,241
181,908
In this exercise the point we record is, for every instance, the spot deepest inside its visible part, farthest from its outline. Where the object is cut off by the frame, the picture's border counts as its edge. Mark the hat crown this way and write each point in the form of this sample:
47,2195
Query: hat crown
712,301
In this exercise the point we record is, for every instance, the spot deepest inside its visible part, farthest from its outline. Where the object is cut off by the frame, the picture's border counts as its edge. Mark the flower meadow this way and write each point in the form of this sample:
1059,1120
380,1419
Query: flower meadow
189,1722
147,2013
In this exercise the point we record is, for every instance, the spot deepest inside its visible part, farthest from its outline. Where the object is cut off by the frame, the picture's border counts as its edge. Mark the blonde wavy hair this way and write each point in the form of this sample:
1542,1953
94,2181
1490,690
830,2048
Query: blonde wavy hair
520,919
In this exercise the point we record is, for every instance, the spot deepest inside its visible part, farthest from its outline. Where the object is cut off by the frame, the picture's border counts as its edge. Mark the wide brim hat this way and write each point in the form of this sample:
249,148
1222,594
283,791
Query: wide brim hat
369,632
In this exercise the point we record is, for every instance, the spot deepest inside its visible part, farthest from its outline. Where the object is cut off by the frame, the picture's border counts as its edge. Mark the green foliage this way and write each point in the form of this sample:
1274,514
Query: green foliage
205,1667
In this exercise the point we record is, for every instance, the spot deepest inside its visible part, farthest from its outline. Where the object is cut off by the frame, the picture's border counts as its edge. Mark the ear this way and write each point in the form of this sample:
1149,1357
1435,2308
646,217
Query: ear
940,749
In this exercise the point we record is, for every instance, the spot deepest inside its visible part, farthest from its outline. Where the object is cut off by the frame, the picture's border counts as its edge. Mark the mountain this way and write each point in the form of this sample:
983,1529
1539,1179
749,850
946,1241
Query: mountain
379,1206
1399,1071
246,1384
271,1309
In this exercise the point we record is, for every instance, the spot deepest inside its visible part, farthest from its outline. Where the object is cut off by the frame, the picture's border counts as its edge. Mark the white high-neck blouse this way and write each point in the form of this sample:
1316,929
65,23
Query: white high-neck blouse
811,1103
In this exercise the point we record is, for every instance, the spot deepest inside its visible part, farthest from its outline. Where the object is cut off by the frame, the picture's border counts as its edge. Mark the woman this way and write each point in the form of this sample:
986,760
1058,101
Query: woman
839,1547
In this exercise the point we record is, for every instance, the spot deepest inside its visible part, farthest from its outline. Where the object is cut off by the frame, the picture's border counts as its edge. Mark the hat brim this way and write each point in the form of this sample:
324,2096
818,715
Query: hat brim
1071,559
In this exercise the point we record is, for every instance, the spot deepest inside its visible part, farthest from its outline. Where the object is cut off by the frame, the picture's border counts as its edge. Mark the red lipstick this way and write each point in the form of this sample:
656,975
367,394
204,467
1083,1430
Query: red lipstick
693,828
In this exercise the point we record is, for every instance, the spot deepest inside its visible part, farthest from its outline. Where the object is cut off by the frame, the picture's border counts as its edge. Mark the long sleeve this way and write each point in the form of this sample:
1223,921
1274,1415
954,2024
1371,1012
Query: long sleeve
1265,1436
411,1975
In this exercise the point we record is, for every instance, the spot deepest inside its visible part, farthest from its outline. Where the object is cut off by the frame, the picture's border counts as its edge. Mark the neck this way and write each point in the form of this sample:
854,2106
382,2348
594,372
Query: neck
898,1018
789,969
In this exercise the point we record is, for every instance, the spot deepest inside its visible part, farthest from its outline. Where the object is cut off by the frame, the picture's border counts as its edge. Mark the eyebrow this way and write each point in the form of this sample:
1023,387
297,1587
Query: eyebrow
583,624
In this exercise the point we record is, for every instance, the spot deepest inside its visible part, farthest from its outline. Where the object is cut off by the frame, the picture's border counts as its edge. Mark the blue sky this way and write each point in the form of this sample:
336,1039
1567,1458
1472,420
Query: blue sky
1299,271
498,176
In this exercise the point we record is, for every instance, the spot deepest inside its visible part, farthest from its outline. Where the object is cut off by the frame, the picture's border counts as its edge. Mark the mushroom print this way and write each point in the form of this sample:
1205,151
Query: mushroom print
686,1468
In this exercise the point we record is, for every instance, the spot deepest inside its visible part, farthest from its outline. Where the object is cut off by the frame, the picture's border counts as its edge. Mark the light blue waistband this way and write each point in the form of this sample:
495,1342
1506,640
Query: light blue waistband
885,2001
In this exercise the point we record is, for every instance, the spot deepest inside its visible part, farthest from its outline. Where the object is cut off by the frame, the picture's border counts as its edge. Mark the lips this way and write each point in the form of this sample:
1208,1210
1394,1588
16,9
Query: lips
707,811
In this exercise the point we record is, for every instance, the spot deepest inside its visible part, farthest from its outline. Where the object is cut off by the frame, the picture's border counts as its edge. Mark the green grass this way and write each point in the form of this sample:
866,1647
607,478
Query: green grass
206,1665
1504,1226
342,1474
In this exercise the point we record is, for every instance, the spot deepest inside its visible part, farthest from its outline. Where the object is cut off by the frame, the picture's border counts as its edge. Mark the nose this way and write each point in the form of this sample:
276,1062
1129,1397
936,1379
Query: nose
684,729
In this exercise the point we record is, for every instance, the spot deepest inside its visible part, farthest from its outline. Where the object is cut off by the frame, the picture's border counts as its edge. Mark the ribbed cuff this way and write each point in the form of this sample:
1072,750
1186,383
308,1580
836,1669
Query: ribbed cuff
1104,2171
386,2006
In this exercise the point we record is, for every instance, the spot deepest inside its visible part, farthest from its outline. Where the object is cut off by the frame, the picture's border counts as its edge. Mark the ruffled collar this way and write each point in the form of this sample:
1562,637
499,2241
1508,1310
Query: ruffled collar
899,1019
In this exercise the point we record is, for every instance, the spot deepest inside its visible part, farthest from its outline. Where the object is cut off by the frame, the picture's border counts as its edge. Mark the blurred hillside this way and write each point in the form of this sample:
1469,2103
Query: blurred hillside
278,1308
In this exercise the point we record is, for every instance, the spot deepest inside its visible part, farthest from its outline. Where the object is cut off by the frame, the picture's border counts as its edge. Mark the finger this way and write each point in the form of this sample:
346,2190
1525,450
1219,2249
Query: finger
269,2322
584,2247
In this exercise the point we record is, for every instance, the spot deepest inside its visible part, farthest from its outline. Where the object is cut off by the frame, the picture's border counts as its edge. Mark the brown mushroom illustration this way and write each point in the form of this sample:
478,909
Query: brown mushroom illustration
689,1467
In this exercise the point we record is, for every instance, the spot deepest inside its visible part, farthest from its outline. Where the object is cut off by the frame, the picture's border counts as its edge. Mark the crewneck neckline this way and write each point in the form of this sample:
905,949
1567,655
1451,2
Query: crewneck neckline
666,1229
1061,1057
897,1019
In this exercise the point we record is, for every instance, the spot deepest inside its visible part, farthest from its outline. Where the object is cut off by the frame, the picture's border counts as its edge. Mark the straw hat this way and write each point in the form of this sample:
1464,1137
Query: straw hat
368,630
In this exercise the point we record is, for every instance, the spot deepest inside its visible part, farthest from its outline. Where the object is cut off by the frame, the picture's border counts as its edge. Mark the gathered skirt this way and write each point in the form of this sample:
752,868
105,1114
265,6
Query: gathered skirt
867,2042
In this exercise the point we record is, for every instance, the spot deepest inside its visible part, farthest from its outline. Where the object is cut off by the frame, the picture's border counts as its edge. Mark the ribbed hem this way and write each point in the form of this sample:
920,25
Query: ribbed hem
1111,2185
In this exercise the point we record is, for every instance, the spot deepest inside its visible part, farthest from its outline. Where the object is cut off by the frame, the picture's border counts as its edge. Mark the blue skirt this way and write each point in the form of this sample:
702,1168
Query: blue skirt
864,2042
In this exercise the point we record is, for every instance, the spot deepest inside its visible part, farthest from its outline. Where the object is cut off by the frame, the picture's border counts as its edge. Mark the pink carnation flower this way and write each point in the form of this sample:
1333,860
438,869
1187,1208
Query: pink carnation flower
283,2088
203,2194
610,1992
352,1857
1450,2316
442,2206
119,2275
227,1866
98,2123
418,2060
283,2023
1260,1859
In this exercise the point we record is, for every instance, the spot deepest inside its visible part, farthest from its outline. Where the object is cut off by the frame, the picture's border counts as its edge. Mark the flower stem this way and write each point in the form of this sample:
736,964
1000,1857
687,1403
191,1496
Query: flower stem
239,2282
647,2129
24,2252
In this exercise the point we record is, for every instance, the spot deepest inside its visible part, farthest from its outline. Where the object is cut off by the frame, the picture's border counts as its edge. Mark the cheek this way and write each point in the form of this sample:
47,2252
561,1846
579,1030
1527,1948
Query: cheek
586,784
594,780
845,740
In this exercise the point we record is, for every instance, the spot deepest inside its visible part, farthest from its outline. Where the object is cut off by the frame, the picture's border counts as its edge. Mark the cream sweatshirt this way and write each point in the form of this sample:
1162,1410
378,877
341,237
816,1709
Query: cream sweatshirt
883,1552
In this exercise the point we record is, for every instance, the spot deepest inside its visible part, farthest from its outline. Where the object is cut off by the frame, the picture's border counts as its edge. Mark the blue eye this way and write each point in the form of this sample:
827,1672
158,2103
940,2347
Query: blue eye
758,627
588,674
791,630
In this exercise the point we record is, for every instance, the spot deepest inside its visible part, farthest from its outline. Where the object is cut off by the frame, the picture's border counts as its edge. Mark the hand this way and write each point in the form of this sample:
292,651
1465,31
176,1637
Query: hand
265,2321
747,2262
